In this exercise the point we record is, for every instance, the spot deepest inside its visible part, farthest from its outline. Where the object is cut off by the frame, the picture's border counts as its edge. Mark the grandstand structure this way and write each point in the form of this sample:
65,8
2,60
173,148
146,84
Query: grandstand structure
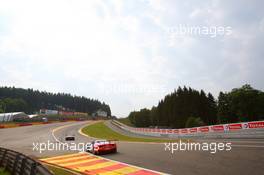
11,116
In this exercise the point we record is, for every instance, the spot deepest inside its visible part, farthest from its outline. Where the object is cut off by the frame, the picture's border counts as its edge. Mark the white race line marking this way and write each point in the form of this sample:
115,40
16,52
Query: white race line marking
154,143
61,127
58,128
128,164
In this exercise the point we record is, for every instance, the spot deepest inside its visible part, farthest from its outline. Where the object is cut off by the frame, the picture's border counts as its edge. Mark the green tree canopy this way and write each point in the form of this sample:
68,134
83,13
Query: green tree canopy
30,101
189,107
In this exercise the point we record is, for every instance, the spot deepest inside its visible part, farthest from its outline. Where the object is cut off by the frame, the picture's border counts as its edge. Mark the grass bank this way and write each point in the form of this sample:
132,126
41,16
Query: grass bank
125,121
100,130
2,172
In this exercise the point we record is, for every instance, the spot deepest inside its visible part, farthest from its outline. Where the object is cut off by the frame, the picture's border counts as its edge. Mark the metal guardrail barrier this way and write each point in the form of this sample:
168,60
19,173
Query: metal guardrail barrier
253,129
19,164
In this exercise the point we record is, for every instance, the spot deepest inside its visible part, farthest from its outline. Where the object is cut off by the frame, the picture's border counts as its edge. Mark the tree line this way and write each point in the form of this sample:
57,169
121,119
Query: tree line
187,107
28,100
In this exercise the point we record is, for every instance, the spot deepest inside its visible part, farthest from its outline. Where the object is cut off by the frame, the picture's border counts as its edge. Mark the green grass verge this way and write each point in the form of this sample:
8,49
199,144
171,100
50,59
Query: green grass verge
2,172
125,121
100,130
59,171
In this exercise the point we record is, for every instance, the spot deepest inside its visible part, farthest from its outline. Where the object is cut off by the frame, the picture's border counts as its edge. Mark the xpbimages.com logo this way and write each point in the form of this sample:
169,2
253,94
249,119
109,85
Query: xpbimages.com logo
212,147
189,30
59,146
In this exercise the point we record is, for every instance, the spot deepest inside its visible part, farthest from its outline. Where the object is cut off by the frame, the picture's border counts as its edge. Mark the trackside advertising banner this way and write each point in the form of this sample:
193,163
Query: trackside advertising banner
204,129
256,124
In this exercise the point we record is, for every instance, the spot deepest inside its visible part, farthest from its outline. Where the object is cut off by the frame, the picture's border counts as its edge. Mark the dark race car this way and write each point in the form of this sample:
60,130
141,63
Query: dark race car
69,138
102,147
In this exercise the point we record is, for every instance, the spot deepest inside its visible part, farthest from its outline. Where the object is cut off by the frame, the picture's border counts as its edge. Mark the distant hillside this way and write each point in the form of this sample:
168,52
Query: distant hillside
29,100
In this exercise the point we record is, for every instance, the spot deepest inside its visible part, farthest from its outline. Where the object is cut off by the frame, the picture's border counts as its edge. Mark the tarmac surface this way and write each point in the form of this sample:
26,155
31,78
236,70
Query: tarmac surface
245,157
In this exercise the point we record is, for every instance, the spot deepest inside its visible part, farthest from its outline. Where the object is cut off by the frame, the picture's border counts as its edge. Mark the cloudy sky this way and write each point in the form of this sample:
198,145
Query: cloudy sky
130,53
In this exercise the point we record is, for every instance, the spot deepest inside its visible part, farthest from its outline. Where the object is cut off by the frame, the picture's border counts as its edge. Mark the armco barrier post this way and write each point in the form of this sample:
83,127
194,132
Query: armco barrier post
33,168
23,164
15,163
3,158
10,160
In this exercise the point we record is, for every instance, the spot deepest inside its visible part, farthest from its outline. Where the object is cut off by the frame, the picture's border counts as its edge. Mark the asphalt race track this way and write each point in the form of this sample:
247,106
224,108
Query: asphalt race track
245,157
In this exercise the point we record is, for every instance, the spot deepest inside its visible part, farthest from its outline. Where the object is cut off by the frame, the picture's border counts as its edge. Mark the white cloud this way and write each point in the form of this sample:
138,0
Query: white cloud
72,41
82,46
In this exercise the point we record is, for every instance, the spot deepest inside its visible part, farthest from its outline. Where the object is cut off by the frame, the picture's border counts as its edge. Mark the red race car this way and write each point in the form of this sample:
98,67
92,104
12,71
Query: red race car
102,146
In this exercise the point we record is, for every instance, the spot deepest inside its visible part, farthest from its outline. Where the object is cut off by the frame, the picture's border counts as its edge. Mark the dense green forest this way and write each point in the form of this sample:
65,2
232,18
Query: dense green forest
28,100
187,107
